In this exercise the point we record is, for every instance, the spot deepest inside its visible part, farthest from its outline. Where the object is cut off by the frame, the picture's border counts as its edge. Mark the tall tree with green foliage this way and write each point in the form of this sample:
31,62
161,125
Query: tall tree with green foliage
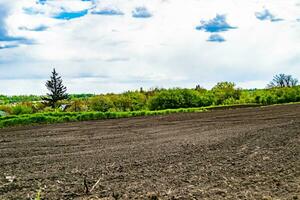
225,91
56,88
283,80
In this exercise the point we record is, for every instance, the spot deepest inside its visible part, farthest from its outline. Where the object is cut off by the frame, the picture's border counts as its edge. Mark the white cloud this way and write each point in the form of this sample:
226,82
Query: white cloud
163,50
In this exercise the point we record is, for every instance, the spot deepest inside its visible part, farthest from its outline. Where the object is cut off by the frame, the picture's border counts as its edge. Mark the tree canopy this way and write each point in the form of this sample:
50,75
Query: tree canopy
283,80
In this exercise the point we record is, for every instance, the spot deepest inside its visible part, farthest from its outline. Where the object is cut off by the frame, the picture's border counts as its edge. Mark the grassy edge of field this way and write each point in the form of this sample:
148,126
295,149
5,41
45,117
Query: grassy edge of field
61,117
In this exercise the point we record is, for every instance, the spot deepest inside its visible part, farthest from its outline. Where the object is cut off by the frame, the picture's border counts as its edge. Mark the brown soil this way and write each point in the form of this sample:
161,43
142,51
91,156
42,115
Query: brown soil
249,153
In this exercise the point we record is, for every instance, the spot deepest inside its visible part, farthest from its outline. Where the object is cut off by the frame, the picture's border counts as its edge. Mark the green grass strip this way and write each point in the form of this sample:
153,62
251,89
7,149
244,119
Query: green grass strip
59,117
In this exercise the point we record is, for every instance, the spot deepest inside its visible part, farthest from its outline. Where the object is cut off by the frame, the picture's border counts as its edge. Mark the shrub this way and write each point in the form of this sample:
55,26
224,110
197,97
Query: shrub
100,103
230,101
225,90
21,109
49,109
6,109
78,105
176,98
206,99
121,103
137,100
268,99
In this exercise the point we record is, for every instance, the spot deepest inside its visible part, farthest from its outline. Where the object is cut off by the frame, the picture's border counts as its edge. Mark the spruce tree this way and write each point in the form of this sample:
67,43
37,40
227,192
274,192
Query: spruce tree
57,90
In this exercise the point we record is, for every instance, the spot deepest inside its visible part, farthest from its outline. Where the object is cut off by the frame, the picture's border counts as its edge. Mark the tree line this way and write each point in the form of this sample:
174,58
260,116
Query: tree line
282,89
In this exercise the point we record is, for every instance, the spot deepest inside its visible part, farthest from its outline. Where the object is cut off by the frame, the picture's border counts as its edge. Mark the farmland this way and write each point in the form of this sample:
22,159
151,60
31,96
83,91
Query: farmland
246,153
149,100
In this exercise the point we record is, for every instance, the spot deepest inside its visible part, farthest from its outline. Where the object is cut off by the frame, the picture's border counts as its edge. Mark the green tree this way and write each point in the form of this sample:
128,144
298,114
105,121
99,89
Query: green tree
176,98
57,90
200,89
226,90
100,103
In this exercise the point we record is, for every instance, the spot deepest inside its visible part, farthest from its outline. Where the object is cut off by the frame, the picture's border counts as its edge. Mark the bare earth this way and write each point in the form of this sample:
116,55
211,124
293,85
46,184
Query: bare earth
250,153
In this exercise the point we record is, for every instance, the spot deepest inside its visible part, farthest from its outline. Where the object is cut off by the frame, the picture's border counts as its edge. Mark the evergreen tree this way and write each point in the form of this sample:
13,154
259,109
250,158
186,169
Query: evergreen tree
57,90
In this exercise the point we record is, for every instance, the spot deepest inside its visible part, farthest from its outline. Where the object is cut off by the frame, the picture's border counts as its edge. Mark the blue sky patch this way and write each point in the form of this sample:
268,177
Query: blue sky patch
215,25
4,35
6,38
141,12
267,15
32,11
216,38
9,46
71,15
38,28
41,2
108,11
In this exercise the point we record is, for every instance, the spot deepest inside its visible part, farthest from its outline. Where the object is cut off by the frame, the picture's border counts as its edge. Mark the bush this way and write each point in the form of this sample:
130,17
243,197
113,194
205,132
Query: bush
176,98
100,103
21,109
230,101
78,105
225,90
276,95
121,103
285,95
6,109
137,100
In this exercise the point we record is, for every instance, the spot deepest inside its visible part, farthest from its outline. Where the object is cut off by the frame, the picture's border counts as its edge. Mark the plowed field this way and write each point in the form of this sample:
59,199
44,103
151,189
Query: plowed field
249,153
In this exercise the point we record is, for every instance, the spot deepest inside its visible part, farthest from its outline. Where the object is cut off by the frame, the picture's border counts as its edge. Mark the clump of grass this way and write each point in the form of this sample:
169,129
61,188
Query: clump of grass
38,195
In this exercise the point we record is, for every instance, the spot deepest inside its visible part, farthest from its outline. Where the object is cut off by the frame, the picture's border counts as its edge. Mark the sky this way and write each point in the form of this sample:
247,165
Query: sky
101,46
